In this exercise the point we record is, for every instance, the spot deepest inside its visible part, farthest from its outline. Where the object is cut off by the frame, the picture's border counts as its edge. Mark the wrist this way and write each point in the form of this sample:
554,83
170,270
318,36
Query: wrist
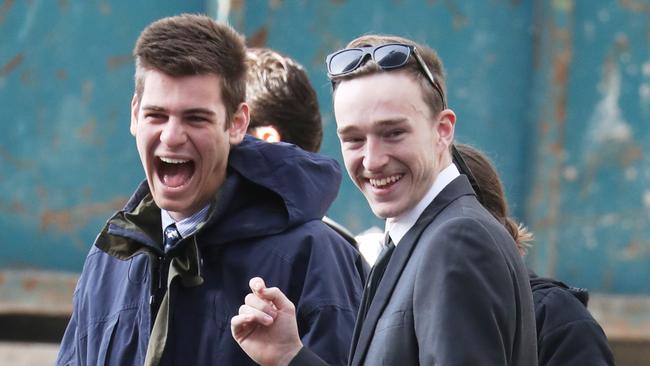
290,353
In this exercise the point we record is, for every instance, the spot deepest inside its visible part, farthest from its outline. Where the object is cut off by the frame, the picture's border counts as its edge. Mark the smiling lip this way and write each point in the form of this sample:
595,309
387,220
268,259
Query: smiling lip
384,182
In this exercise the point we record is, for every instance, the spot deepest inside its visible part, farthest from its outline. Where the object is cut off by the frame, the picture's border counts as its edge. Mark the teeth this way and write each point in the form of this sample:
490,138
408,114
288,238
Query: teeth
173,161
384,181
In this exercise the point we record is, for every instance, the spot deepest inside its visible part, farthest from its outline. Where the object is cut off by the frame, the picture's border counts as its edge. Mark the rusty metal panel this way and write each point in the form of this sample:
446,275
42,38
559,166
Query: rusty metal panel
589,198
557,92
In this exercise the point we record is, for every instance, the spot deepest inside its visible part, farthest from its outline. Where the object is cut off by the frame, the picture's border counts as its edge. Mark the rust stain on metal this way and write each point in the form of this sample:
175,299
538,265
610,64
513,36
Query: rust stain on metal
338,1
18,163
26,78
4,10
105,8
636,5
69,219
237,4
275,4
556,148
631,154
87,132
561,66
10,66
61,74
258,39
118,61
553,38
2,279
18,208
29,283
459,20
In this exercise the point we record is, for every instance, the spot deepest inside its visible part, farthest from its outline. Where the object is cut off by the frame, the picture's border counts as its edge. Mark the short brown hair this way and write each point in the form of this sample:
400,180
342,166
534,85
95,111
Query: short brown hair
190,44
279,93
493,197
429,56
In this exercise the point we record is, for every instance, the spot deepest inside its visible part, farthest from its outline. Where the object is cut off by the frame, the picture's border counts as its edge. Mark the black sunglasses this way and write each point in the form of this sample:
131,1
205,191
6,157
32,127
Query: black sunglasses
387,56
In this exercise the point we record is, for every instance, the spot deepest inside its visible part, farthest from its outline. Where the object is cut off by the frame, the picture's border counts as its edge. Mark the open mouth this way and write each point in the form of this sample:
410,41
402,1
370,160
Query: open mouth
174,173
386,181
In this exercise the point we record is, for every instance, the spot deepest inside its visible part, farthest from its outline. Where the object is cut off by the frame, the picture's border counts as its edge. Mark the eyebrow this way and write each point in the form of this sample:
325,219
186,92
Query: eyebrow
204,111
380,124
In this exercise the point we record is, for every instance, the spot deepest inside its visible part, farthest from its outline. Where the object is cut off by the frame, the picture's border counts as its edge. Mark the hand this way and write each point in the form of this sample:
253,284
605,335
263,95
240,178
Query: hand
266,327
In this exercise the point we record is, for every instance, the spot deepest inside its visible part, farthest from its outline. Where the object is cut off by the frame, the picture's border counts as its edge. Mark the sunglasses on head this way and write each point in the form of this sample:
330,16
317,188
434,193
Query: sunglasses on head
386,56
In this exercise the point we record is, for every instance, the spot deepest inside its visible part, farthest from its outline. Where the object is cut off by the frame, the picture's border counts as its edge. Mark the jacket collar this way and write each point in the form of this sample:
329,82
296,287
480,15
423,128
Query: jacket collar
363,332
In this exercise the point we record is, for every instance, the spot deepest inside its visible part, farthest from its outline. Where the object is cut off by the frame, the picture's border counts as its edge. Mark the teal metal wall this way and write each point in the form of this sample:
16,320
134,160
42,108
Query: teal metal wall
557,92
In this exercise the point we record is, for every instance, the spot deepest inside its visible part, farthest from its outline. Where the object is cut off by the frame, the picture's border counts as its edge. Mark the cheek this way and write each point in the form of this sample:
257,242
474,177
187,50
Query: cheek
351,162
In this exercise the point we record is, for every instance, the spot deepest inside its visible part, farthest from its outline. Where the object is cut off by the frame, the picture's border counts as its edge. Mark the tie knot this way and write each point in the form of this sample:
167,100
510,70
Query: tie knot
388,241
171,237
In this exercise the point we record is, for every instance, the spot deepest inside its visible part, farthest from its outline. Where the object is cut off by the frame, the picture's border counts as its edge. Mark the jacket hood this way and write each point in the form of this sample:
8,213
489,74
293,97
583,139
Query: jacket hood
540,283
269,188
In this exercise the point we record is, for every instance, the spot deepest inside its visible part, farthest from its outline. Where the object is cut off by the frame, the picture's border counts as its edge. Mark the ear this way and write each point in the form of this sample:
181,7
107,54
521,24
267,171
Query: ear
266,133
239,124
135,106
445,128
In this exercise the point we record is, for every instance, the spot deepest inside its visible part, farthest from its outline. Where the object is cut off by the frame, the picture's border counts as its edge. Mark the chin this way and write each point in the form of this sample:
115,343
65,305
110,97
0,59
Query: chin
384,212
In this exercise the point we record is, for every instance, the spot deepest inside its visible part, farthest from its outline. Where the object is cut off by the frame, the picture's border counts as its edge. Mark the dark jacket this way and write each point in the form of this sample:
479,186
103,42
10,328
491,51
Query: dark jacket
265,221
455,292
567,334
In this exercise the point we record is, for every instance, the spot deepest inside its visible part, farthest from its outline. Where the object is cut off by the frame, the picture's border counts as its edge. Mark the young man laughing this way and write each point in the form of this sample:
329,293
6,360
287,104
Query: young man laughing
166,273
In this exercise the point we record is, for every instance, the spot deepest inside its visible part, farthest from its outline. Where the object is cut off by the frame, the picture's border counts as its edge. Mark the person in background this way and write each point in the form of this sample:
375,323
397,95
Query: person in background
567,334
283,103
449,287
167,273
284,108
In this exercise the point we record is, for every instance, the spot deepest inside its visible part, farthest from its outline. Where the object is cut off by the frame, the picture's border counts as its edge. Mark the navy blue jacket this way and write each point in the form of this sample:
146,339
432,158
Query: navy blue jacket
265,221
567,334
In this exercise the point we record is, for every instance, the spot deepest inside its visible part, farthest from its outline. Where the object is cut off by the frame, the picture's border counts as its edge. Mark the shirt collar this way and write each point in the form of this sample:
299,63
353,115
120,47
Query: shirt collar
397,227
186,226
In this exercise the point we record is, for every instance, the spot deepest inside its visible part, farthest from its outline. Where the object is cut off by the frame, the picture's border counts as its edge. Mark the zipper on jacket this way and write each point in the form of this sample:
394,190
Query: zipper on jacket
158,285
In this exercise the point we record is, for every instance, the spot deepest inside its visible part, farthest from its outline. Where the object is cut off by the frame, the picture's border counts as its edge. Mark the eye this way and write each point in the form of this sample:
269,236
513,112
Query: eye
196,119
352,141
154,116
394,134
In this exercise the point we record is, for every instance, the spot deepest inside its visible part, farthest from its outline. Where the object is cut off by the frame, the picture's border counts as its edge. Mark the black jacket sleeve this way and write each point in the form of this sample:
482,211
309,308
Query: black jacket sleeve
307,358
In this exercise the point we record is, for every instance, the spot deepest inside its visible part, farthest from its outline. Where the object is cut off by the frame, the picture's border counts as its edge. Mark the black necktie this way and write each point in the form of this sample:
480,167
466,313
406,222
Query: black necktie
377,271
171,237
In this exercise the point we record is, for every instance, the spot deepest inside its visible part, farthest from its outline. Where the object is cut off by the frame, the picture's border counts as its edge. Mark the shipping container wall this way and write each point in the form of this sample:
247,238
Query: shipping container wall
556,92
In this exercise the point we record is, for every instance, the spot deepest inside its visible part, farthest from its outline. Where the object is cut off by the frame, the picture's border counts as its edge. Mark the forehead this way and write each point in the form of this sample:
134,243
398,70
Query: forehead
193,89
378,97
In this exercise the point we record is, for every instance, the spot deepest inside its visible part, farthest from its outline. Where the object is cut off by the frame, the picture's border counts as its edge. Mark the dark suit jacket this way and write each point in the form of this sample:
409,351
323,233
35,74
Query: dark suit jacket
455,292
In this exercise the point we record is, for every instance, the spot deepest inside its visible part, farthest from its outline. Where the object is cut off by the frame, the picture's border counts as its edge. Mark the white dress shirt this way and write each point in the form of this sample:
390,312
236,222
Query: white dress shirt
397,227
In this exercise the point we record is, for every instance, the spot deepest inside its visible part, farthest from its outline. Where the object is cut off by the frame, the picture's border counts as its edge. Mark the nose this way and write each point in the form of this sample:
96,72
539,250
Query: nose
173,133
375,157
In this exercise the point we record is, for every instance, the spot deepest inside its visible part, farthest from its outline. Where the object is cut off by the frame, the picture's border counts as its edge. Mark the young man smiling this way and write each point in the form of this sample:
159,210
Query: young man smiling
167,273
449,288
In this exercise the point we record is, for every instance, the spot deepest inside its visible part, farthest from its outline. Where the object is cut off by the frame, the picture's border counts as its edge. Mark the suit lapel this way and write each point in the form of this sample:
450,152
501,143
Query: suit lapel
364,330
